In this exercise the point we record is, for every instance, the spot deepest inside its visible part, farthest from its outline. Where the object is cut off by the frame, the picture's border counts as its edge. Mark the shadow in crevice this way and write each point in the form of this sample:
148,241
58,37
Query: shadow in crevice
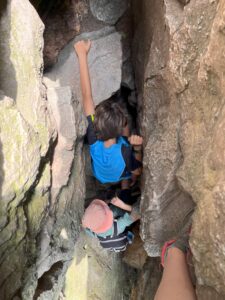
2,213
44,8
48,279
8,83
3,5
8,87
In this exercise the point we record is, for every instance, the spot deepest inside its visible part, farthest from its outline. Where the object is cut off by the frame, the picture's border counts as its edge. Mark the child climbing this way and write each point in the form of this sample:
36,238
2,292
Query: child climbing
114,158
109,223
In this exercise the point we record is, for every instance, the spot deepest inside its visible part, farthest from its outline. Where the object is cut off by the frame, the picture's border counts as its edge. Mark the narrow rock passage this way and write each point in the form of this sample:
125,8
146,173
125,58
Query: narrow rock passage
168,58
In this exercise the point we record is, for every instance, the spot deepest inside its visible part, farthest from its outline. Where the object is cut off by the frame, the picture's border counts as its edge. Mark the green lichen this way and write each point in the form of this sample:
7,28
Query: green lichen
38,202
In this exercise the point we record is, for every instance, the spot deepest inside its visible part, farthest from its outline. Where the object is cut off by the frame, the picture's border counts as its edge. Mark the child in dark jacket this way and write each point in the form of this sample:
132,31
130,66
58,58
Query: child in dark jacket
109,222
114,158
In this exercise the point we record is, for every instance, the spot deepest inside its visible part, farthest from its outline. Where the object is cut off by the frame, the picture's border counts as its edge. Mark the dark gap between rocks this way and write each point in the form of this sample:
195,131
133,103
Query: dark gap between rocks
48,279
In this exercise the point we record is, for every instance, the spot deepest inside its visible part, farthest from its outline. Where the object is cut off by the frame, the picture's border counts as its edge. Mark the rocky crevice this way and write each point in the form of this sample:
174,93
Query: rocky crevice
169,57
179,96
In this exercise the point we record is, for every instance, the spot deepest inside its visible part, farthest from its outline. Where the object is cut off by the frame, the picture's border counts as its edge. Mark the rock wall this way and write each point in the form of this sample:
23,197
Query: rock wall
38,224
179,67
94,274
177,54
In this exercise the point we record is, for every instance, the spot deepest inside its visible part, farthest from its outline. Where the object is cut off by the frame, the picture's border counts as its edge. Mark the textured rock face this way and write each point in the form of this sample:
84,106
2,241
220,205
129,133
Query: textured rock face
162,195
20,73
25,135
148,280
97,274
181,83
178,54
61,103
18,173
135,255
108,11
37,235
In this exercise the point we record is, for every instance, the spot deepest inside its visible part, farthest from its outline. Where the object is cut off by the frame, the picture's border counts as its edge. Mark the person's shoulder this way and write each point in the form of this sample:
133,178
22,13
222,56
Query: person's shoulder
91,135
91,118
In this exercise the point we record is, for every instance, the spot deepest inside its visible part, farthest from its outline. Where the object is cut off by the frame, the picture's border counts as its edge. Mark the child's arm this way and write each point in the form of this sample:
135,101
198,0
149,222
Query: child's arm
119,203
128,218
82,48
136,141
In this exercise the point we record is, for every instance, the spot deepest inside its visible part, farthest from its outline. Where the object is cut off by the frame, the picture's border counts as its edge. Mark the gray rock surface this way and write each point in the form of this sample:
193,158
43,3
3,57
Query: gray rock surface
61,102
21,67
179,69
105,59
58,235
148,280
108,11
96,273
25,137
20,159
135,255
37,235
125,28
179,72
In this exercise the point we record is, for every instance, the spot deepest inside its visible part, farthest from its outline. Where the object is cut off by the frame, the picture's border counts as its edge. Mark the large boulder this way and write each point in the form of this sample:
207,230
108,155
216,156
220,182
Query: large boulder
180,79
165,204
37,234
25,138
108,11
20,154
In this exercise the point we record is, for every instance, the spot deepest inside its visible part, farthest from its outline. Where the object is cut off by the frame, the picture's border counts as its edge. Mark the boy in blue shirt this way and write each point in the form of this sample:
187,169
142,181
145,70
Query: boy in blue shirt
114,158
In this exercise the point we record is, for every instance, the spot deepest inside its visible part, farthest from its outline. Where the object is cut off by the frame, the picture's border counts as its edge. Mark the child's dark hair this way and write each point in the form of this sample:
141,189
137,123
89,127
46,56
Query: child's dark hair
110,118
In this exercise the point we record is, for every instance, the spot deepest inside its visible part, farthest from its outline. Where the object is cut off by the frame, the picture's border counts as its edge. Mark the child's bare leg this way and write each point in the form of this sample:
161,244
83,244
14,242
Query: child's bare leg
176,283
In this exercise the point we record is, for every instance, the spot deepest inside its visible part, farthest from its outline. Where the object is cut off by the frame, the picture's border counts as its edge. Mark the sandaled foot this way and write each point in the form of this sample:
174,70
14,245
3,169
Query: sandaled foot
181,242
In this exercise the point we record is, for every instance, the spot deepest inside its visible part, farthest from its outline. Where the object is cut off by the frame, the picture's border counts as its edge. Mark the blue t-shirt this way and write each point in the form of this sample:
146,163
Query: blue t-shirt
114,163
107,162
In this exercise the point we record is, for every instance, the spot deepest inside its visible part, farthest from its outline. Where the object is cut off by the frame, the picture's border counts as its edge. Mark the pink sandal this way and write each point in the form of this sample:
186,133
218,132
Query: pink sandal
165,248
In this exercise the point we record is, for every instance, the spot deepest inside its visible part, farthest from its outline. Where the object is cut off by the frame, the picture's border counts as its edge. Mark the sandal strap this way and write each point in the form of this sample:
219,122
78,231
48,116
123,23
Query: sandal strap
165,248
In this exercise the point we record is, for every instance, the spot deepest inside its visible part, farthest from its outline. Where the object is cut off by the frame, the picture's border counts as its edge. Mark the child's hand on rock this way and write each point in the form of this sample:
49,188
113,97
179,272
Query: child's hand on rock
82,47
136,141
119,203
